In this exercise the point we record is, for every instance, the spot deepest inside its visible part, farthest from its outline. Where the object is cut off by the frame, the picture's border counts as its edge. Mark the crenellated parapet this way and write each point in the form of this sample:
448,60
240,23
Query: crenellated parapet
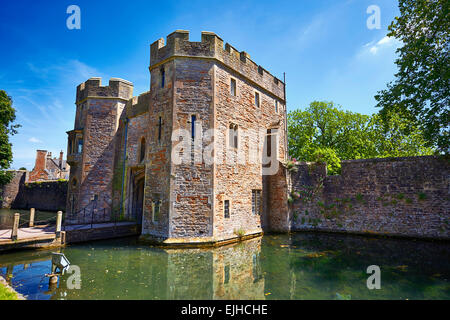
138,105
92,88
212,46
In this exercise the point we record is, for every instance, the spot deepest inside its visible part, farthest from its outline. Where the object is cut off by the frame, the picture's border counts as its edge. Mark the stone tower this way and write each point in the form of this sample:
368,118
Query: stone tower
196,159
91,146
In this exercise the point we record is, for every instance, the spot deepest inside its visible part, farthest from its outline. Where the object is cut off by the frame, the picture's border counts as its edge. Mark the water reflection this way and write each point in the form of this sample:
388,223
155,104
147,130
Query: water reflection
298,266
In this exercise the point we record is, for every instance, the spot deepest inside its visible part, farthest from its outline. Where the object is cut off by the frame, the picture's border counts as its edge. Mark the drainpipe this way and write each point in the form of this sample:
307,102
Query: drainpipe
285,119
124,164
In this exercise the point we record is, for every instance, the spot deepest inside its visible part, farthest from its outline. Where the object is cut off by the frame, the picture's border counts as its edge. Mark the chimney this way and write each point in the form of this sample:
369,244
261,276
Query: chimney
61,154
41,158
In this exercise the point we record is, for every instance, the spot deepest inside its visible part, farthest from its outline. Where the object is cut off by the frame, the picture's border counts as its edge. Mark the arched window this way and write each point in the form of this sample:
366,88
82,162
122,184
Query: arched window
142,150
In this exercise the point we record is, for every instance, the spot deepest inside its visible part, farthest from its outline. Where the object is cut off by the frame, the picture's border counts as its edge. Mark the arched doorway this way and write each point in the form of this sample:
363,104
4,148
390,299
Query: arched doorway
137,203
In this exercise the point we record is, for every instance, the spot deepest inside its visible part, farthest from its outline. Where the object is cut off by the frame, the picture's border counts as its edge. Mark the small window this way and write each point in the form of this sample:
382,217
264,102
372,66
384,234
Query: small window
233,135
226,274
80,146
256,202
233,87
193,119
226,208
276,106
257,99
159,129
269,143
163,77
142,150
70,146
156,210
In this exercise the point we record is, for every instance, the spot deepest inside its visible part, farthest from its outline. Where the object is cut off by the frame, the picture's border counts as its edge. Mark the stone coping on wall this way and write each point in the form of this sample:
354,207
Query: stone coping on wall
392,159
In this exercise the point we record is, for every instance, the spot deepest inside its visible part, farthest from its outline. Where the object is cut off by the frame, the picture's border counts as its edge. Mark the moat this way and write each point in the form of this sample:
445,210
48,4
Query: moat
296,266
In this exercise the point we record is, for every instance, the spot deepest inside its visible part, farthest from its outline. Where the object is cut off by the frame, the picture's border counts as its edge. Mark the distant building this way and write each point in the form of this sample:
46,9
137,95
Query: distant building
48,168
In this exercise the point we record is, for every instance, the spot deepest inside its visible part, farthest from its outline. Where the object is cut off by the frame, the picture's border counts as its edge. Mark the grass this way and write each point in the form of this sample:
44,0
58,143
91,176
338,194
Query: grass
6,293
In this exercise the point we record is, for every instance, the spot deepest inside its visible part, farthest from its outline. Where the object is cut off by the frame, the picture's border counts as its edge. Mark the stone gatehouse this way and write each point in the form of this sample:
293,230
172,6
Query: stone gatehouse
198,159
194,159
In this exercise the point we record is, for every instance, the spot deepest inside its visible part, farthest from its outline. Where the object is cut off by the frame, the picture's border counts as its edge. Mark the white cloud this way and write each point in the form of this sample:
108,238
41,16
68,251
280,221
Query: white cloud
385,42
35,140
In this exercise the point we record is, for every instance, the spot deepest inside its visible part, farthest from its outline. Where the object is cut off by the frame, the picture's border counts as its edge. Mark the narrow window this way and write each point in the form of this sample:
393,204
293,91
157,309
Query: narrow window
269,143
256,202
226,274
233,87
80,146
70,146
233,135
159,129
226,208
156,206
163,77
193,119
142,150
276,106
257,99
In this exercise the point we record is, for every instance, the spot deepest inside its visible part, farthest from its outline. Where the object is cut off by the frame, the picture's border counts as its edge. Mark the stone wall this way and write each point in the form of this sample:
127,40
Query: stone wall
9,192
406,196
238,170
44,195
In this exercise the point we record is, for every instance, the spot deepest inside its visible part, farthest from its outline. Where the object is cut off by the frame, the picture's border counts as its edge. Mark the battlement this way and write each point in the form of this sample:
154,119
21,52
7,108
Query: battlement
92,88
138,105
212,46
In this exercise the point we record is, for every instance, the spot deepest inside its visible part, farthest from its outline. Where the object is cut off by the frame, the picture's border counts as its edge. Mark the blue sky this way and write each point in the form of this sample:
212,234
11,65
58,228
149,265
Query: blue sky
324,46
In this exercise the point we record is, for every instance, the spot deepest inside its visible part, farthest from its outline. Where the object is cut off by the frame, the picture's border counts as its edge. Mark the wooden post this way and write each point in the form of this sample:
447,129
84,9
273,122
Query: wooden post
15,228
58,224
32,211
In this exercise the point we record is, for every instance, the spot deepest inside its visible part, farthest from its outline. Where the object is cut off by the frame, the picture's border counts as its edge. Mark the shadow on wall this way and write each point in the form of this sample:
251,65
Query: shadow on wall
45,195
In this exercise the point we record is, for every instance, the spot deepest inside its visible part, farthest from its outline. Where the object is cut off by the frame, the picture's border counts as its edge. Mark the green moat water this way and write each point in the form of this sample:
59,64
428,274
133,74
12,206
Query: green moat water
296,266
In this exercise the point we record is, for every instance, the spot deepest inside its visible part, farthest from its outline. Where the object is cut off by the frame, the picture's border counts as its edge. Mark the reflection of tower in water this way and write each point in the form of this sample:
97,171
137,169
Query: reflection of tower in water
229,272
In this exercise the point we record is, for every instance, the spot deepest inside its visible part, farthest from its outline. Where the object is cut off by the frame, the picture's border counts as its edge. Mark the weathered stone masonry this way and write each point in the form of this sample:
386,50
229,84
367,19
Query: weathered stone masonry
123,154
393,196
182,202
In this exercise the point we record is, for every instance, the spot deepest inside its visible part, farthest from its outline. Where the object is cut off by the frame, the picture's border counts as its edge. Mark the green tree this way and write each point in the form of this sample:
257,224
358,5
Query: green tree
421,88
7,128
324,132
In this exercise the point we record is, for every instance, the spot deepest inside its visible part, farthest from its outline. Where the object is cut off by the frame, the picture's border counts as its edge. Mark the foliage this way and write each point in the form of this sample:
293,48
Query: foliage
239,232
328,156
6,293
291,164
324,132
420,90
22,168
7,127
